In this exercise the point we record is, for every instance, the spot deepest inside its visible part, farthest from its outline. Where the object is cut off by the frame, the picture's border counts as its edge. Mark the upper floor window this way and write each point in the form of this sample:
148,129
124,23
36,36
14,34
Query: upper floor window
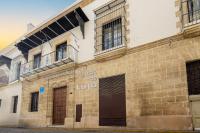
193,10
37,61
61,51
0,102
17,70
112,34
110,26
34,101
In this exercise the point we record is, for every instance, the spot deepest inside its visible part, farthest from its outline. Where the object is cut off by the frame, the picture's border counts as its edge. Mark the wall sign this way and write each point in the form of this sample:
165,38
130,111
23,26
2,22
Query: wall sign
42,90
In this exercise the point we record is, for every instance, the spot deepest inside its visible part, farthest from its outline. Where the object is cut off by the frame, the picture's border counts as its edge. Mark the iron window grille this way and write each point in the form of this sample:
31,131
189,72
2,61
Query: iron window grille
190,12
112,34
34,101
110,30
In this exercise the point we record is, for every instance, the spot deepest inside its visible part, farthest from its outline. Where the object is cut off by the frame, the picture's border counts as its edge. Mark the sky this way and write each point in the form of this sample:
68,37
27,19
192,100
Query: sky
16,14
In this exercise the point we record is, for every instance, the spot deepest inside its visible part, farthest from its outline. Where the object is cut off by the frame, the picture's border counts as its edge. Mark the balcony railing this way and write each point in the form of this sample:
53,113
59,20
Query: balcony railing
190,12
50,61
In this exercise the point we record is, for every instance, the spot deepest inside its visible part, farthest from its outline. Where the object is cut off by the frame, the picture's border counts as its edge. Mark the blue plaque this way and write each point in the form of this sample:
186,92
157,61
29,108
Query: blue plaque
42,90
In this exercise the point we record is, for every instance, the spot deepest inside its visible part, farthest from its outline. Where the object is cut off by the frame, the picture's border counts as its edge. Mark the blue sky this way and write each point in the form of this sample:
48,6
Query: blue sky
16,14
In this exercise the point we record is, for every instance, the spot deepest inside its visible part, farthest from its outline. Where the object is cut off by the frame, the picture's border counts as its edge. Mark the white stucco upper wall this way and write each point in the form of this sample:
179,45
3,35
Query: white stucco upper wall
151,20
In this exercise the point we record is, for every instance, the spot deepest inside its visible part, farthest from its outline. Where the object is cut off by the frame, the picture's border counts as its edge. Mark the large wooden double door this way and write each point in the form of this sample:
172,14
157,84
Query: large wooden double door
59,105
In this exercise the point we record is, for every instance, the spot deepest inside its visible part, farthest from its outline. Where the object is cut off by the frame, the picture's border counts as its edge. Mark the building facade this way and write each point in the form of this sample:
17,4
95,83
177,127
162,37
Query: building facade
10,86
114,63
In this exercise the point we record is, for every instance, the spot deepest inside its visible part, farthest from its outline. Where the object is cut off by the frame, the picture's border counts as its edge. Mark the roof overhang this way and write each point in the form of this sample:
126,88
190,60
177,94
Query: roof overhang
57,27
5,60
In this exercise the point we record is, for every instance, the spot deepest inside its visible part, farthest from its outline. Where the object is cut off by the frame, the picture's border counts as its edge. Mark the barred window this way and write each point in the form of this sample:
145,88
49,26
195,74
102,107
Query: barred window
34,101
112,34
193,10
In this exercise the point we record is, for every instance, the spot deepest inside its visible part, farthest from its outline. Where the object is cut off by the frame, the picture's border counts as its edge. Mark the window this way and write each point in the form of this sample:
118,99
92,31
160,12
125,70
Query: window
112,34
61,51
0,102
78,112
15,102
37,61
193,77
17,70
193,10
34,101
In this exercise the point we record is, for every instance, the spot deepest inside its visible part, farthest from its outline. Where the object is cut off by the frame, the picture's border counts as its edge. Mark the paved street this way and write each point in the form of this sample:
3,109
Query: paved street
20,130
53,130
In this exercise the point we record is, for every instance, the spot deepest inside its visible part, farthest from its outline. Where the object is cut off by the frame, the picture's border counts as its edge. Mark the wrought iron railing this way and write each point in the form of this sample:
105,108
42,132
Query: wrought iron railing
190,12
49,61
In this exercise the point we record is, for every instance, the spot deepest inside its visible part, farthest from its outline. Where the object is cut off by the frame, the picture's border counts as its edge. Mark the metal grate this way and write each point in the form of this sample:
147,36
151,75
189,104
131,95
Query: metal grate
110,26
190,12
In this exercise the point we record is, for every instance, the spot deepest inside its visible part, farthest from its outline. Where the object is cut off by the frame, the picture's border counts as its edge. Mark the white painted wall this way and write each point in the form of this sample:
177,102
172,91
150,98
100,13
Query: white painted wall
151,20
6,94
12,89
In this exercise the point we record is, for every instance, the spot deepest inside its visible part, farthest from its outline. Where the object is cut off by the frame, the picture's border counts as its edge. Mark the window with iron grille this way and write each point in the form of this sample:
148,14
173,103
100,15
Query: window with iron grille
34,101
193,77
112,34
193,10
61,51
15,102
110,26
37,61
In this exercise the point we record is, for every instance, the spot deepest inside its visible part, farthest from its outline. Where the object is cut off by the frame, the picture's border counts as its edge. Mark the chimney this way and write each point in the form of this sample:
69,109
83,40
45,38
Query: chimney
30,27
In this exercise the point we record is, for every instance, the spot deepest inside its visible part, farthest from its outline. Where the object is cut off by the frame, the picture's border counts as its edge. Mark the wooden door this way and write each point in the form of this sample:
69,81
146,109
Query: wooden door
59,106
112,101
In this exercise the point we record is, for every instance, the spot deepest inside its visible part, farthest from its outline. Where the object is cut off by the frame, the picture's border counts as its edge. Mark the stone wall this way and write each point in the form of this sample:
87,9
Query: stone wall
156,87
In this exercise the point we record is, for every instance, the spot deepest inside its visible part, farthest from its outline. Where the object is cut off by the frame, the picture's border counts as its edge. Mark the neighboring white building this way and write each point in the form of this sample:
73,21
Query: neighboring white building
10,86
